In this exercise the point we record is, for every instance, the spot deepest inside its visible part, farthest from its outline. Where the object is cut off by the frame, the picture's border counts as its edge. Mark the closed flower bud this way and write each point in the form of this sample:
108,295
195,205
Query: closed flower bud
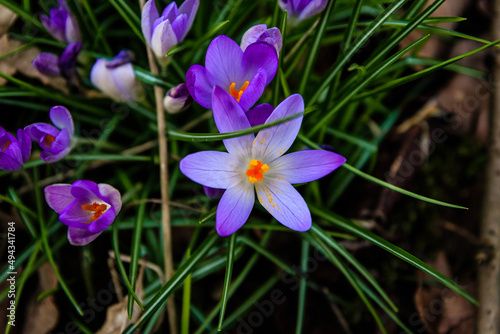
177,99
260,33
61,24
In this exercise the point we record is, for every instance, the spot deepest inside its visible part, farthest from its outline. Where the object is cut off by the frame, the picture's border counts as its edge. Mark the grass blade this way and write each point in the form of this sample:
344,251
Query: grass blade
227,278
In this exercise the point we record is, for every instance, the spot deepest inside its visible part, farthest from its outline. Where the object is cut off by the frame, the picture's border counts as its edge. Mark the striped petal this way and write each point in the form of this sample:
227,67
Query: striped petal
234,208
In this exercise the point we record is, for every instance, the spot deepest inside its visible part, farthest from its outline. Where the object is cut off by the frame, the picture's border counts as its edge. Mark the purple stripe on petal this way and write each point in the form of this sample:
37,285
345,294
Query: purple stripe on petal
305,166
228,117
224,63
198,86
284,203
58,196
254,90
80,237
273,142
62,119
234,208
149,15
259,114
212,169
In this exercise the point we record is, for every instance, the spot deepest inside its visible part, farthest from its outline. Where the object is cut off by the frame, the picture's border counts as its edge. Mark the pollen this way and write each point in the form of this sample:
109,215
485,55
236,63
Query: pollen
48,140
97,209
237,93
256,170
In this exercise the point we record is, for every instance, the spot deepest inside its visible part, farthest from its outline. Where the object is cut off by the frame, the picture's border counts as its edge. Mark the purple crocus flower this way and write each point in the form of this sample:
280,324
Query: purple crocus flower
61,24
257,162
116,77
86,207
302,9
14,152
51,65
165,31
260,33
55,141
243,74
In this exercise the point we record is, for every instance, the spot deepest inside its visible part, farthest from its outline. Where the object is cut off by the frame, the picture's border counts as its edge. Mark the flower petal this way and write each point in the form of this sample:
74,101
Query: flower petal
189,7
260,55
228,117
314,7
198,86
47,64
273,142
111,196
252,35
80,237
85,188
58,196
212,169
149,15
179,26
305,166
125,81
37,130
62,119
100,77
73,215
284,203
25,143
163,39
254,90
234,208
223,63
9,163
259,114
103,221
213,192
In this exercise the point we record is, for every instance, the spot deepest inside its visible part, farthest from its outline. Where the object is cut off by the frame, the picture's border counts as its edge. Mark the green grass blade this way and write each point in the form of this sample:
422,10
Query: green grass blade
23,214
180,275
27,16
395,250
301,303
130,20
227,278
186,300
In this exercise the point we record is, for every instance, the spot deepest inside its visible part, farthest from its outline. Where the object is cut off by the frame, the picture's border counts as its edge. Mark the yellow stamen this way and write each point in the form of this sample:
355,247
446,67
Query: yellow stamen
237,93
256,170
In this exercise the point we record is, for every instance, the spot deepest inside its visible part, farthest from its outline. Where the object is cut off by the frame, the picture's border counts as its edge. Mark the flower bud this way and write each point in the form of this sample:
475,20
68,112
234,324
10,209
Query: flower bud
61,24
177,99
260,33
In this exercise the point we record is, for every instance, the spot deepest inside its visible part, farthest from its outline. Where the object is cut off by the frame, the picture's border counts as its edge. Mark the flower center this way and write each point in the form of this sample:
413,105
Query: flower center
256,170
237,93
48,140
97,209
5,146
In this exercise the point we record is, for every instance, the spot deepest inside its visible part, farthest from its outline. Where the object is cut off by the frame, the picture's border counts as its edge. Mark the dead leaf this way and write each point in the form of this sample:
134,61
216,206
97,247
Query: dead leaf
42,316
7,18
442,310
21,62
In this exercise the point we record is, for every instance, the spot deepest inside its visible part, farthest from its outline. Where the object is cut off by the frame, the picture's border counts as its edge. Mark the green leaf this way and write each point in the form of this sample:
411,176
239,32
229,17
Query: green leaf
227,278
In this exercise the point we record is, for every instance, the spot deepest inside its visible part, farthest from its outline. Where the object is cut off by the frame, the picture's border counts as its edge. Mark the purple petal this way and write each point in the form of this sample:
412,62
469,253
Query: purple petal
67,62
111,196
37,130
252,35
213,192
273,142
314,7
189,7
100,77
73,215
228,117
212,169
254,90
198,86
24,143
163,39
123,57
72,30
284,203
125,82
80,237
47,64
62,143
259,114
58,196
234,208
9,163
224,64
85,188
2,130
149,15
170,12
103,221
62,119
305,166
179,26
261,55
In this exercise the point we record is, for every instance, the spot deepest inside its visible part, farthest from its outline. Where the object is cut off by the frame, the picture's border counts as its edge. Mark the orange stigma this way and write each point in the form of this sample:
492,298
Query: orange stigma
98,209
256,170
5,146
237,93
48,140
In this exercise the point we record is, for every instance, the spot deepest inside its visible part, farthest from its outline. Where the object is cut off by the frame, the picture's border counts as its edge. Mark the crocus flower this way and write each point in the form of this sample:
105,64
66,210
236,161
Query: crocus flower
177,99
51,65
260,33
55,141
14,152
61,24
259,163
116,77
165,31
302,9
86,207
243,74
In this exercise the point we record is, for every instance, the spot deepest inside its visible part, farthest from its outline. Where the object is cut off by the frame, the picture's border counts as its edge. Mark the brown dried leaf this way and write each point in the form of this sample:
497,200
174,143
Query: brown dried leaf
42,315
441,310
7,18
21,62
